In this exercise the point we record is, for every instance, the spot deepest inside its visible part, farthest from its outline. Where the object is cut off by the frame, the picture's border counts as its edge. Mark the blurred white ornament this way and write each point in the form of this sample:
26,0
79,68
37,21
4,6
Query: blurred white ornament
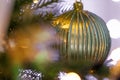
114,28
115,0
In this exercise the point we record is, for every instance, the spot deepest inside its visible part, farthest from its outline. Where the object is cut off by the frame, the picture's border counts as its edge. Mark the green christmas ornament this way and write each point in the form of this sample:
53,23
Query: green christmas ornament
84,37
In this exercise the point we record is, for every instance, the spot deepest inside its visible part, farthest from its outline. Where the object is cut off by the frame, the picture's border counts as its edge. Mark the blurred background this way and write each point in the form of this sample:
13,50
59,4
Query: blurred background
27,39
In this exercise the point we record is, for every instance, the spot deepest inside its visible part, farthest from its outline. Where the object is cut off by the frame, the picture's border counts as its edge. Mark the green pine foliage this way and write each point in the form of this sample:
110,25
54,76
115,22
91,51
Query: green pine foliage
23,13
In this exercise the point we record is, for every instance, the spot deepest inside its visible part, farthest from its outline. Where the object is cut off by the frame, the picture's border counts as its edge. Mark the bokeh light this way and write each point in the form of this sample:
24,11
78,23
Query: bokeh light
35,1
115,56
114,28
69,76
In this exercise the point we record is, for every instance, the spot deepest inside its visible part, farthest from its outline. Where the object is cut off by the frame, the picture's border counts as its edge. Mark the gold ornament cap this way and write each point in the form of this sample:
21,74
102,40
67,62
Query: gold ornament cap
78,6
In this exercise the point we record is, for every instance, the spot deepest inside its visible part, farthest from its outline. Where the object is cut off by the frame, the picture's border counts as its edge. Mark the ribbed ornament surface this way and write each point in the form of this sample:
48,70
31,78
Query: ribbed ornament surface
84,36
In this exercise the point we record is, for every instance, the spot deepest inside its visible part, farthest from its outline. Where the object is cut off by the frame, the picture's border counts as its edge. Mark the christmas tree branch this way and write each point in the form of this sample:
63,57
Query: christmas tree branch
43,3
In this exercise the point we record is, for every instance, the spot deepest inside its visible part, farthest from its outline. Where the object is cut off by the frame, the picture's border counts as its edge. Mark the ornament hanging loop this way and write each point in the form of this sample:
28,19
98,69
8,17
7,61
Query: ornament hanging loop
78,6
78,0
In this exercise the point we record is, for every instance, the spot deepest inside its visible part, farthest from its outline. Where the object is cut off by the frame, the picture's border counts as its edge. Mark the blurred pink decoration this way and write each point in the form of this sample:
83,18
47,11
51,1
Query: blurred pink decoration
5,12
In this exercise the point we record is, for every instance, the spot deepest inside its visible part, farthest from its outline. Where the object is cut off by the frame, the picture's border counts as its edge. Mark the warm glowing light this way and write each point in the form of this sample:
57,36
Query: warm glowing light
35,1
65,26
115,56
115,0
114,28
70,76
